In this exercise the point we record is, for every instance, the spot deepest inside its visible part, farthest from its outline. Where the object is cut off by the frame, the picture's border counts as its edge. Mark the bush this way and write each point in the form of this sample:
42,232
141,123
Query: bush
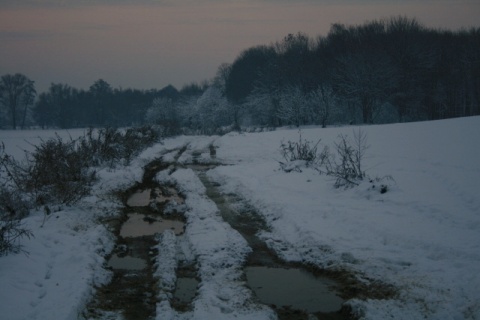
12,204
12,209
59,171
110,146
301,153
346,164
56,171
11,232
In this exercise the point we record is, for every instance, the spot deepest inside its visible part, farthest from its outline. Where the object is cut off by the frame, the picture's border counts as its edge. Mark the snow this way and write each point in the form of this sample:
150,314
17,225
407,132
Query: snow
56,277
422,236
220,252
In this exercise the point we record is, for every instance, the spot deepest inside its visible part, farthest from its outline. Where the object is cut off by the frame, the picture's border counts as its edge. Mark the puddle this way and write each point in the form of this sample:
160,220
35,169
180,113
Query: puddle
126,263
139,199
139,225
185,290
132,292
289,290
143,198
293,288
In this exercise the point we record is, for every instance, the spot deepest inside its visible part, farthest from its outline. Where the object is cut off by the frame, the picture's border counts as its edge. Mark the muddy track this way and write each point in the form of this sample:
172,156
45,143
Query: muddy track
134,291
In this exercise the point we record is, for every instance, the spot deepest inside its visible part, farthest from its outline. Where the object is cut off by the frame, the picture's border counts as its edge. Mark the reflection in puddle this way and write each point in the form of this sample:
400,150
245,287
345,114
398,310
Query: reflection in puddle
185,290
139,199
142,198
126,263
139,225
294,288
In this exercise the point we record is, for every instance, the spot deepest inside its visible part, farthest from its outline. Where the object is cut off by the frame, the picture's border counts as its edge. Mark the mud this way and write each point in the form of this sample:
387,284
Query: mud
290,289
132,292
293,290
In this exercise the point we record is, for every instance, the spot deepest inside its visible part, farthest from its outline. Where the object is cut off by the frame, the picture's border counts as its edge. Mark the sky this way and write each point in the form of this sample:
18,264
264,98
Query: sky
147,44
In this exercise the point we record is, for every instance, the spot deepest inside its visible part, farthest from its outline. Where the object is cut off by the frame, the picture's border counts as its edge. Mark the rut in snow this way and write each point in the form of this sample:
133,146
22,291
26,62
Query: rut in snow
291,290
132,291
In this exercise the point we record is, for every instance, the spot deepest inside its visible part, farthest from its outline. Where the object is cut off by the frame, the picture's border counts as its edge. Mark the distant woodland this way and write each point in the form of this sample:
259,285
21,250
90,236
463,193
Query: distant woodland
392,70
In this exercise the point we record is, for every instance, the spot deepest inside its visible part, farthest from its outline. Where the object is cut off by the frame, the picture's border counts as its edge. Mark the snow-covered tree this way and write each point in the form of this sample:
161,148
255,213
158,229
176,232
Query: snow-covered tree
163,112
293,107
213,110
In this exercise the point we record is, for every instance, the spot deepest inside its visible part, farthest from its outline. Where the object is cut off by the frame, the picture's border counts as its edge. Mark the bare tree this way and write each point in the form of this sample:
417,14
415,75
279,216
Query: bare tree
323,104
366,79
17,93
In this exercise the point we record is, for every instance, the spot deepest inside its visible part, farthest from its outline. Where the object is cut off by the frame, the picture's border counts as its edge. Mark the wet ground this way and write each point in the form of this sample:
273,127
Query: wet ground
293,290
132,292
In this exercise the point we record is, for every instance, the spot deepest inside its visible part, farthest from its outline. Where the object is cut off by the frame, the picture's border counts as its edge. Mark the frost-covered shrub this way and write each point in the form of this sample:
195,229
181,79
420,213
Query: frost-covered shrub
346,164
12,204
12,209
300,153
110,146
11,231
58,172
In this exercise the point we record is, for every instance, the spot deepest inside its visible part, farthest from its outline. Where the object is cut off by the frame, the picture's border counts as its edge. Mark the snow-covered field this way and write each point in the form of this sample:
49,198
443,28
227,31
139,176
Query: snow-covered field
422,236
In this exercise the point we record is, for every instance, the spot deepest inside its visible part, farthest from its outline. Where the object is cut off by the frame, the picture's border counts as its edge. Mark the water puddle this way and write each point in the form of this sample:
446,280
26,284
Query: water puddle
293,288
290,290
185,290
146,197
132,292
126,263
139,199
139,225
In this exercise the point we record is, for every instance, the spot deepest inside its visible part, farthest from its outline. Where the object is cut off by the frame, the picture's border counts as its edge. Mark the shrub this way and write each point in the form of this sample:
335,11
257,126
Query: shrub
56,171
59,172
297,153
11,232
346,164
109,145
12,209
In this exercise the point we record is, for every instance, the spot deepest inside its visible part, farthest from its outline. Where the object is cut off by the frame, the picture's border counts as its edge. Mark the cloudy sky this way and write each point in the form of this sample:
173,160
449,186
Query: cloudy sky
152,43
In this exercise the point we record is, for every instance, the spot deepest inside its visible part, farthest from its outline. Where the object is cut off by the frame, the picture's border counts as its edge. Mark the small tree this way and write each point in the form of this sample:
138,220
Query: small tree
323,104
17,93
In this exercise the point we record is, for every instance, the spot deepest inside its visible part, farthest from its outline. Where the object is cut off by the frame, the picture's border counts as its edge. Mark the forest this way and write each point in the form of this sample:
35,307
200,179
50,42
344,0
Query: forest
382,71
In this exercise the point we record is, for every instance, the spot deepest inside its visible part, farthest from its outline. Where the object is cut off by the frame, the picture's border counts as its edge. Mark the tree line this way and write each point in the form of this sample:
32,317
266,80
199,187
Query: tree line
390,70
